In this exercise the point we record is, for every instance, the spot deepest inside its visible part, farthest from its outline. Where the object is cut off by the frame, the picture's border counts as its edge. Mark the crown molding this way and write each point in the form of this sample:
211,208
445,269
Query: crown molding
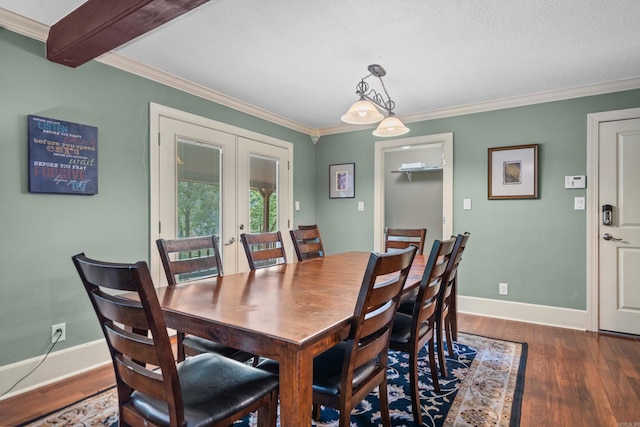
38,31
129,65
499,104
25,26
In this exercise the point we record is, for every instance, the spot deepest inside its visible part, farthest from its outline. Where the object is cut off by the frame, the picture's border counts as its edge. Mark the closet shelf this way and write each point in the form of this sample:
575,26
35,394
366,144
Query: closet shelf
408,172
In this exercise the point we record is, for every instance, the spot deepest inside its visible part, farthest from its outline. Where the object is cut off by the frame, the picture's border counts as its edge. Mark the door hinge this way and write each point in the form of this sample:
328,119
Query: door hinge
288,165
159,227
444,219
158,138
288,223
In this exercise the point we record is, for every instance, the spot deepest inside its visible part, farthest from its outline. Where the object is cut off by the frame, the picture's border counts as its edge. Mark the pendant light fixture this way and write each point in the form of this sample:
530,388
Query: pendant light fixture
365,111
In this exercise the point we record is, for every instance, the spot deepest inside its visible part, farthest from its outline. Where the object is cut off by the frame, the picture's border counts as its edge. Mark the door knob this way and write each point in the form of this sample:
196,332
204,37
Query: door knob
607,236
230,242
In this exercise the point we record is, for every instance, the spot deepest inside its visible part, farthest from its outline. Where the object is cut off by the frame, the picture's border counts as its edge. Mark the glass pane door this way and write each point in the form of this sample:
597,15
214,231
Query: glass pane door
263,194
198,186
264,204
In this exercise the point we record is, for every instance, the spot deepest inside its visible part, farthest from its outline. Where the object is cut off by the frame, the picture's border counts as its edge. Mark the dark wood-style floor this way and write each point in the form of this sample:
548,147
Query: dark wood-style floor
573,378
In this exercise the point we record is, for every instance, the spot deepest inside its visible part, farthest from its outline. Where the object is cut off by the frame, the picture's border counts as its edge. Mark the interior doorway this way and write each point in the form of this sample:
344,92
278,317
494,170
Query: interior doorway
613,288
384,169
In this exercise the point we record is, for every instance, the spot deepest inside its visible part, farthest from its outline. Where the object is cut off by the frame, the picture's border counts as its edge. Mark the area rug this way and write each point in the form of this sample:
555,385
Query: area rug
484,388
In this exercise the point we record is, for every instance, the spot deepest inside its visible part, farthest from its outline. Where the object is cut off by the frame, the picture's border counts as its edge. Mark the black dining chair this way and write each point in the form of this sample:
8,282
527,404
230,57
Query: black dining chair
448,311
204,390
189,259
307,243
399,238
412,331
264,249
346,373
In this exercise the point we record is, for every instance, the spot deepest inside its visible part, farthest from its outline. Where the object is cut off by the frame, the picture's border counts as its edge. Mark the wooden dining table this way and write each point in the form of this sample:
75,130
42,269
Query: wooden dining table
289,313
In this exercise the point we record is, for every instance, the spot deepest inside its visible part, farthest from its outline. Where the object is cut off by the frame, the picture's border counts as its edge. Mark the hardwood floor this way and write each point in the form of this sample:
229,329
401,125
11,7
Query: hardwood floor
573,378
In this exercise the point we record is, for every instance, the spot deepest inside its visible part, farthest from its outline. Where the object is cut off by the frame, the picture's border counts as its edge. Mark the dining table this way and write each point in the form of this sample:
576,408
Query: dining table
289,313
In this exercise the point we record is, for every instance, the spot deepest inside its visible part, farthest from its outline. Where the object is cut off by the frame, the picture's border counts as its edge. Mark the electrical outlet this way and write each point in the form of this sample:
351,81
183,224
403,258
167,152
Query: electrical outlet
58,330
503,289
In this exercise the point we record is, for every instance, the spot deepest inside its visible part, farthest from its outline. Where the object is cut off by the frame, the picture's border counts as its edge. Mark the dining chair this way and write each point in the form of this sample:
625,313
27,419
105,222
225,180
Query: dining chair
346,373
448,312
188,259
399,238
307,243
411,332
204,390
264,249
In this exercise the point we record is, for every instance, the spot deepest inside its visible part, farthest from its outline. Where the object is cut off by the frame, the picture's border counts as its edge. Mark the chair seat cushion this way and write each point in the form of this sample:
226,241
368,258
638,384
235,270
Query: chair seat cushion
407,306
327,370
213,388
194,345
401,332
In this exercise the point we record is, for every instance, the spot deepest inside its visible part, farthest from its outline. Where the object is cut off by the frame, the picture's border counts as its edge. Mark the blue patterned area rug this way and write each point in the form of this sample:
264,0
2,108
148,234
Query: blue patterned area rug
484,388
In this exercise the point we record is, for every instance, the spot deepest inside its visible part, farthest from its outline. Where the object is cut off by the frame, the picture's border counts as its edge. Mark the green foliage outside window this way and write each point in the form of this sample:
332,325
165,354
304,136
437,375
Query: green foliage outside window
198,209
256,211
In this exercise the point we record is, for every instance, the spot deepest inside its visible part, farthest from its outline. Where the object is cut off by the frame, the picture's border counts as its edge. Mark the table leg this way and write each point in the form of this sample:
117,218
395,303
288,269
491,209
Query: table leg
296,392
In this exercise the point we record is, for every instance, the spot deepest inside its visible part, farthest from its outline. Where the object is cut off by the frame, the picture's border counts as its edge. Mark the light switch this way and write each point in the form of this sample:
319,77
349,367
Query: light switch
361,206
578,203
297,205
467,204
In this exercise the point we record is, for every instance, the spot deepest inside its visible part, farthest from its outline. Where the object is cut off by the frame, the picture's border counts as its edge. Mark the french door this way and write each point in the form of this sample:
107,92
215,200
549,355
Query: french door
210,180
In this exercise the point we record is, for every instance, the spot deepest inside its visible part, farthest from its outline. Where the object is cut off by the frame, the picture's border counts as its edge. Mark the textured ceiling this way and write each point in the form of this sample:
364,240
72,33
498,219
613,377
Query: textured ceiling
301,60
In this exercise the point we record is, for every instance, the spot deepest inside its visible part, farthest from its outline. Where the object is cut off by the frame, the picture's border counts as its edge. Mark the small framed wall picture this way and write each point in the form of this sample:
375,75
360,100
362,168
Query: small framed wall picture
513,172
342,181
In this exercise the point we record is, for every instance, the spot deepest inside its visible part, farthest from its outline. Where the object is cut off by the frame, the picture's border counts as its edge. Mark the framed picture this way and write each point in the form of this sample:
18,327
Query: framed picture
63,157
513,172
342,181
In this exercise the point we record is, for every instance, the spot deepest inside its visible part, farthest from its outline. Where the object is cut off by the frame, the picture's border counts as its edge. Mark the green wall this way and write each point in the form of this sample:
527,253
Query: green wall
537,246
40,232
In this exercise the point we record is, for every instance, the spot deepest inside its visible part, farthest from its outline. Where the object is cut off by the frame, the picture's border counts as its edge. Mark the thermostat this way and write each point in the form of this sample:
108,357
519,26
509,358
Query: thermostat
576,181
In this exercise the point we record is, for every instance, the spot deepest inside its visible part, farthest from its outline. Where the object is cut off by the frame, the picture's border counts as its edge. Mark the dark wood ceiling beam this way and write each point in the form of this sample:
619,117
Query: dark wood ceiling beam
98,26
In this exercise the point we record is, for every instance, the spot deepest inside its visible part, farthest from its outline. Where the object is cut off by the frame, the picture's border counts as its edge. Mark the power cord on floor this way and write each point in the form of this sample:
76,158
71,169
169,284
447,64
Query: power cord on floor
57,337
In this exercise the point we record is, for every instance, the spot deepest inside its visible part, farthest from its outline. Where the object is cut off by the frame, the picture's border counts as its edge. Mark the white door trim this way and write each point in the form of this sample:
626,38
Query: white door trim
593,209
446,139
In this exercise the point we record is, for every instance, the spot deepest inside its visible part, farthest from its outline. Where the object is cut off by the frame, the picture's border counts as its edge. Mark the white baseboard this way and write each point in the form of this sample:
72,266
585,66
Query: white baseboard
540,314
58,366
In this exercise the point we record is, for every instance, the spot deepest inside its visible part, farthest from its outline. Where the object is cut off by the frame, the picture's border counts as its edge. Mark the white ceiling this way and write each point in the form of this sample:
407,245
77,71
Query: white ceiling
301,60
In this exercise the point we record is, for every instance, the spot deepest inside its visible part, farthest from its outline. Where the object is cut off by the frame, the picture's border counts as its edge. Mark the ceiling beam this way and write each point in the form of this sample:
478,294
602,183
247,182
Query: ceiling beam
98,26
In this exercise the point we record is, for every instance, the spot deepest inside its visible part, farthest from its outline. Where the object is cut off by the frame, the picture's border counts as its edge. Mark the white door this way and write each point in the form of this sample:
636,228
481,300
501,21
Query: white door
619,242
263,172
205,177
